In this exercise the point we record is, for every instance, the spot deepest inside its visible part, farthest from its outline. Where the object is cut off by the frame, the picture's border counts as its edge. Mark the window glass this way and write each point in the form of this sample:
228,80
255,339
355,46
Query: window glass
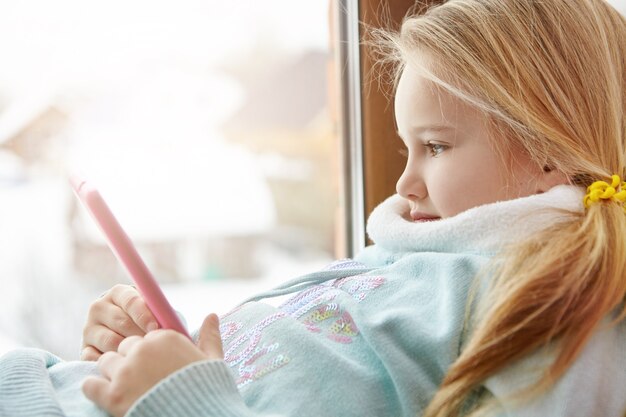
207,126
620,5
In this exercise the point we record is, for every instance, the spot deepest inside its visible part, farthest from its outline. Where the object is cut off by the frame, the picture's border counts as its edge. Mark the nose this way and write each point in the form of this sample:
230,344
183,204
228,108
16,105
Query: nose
411,185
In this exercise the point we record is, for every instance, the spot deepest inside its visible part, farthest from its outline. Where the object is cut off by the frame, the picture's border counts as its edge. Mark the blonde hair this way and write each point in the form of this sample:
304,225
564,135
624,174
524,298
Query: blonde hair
551,78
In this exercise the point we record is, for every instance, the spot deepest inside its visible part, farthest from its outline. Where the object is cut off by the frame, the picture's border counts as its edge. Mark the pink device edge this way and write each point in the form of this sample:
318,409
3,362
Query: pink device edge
127,254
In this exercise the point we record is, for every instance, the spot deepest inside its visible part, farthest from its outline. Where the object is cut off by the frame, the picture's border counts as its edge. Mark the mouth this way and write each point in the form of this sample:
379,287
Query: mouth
423,217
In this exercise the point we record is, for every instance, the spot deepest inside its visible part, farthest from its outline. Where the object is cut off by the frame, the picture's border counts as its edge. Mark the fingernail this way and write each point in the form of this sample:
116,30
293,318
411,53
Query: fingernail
152,326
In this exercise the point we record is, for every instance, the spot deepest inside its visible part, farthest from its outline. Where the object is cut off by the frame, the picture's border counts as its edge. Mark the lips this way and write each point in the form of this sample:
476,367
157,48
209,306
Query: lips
423,217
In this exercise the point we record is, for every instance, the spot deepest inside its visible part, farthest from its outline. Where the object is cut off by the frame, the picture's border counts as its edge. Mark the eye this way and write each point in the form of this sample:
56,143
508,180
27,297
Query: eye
435,149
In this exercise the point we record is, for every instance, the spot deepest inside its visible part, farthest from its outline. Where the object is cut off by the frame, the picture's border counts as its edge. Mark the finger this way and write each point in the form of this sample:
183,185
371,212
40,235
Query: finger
102,338
209,338
90,353
165,337
109,363
116,319
161,334
105,312
95,389
133,304
127,344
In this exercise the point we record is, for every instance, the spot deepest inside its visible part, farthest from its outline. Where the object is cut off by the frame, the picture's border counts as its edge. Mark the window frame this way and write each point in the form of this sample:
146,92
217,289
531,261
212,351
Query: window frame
371,161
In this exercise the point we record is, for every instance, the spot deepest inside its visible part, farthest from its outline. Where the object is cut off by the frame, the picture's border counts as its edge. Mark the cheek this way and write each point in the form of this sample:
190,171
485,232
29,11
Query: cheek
461,196
466,186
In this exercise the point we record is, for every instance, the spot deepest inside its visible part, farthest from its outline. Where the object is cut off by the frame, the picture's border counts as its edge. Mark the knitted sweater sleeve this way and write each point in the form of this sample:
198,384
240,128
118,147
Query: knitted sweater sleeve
201,389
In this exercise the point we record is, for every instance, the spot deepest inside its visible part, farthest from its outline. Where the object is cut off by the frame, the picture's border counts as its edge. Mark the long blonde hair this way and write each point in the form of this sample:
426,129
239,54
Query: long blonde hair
551,78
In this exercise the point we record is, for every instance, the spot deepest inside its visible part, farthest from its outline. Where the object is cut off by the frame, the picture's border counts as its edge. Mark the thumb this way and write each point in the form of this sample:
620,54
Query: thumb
209,339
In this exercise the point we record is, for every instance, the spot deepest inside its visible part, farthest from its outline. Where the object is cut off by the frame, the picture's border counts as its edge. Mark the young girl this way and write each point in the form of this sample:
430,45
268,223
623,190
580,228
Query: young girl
497,281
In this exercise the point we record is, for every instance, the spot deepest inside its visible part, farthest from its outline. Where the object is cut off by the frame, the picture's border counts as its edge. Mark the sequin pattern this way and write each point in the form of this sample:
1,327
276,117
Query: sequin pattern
252,356
321,312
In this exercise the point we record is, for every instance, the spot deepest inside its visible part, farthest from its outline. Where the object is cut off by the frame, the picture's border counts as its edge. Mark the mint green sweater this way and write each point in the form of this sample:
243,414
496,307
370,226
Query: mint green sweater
372,336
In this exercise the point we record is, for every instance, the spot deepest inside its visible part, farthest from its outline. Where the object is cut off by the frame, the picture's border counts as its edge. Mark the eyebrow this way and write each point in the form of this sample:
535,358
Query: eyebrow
433,128
428,128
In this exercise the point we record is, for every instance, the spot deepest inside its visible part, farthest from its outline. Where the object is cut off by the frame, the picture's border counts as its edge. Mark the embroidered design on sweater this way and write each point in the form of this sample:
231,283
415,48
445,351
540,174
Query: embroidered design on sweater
253,356
228,329
343,264
341,330
318,309
253,360
359,286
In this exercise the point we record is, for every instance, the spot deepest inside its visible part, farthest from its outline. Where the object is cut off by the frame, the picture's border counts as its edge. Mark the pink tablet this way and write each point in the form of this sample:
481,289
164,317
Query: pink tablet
125,251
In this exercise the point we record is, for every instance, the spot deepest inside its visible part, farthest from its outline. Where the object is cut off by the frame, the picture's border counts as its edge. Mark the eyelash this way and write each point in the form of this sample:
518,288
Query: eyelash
431,149
432,146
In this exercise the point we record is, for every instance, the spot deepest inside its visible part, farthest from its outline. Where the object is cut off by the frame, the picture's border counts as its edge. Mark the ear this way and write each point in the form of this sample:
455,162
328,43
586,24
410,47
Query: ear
549,178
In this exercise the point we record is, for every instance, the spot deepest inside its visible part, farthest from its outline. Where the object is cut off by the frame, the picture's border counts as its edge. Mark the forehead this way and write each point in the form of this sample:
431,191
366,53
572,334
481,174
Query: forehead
420,102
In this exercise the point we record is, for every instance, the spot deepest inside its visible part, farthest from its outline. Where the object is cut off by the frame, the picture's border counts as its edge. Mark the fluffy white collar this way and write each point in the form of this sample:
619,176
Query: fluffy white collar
480,229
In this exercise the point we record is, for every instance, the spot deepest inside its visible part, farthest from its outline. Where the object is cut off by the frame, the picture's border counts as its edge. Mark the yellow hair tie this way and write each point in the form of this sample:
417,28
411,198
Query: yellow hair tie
601,190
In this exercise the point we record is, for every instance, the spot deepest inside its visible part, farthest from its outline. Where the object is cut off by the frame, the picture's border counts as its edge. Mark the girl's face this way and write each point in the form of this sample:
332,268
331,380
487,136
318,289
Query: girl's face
451,166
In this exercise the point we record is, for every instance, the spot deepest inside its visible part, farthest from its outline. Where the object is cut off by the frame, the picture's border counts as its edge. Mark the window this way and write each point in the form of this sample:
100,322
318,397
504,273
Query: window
207,125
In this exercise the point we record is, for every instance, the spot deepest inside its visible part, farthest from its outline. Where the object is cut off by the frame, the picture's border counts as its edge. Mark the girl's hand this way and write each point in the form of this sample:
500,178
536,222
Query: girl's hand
119,313
141,362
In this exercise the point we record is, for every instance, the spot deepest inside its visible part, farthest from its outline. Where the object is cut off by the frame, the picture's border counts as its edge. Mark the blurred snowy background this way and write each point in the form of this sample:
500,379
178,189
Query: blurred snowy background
207,125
